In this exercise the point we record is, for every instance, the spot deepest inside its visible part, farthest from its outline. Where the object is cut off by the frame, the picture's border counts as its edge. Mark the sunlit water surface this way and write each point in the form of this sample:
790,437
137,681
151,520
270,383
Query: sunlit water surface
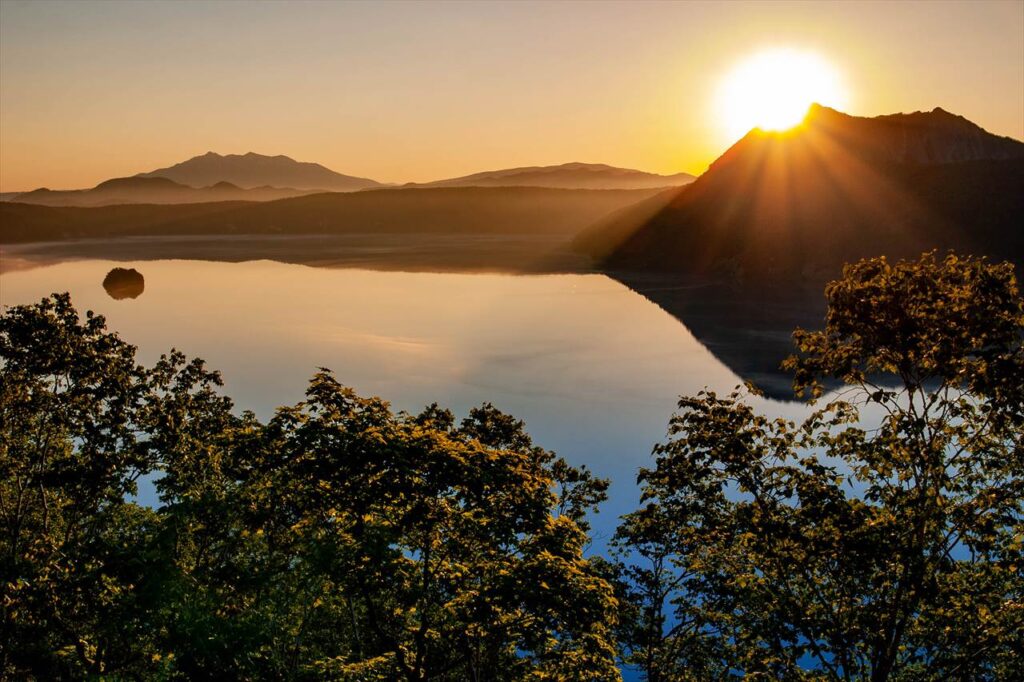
593,368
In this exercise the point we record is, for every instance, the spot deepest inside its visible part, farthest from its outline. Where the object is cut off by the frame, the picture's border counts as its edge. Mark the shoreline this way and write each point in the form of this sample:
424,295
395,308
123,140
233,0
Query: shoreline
430,252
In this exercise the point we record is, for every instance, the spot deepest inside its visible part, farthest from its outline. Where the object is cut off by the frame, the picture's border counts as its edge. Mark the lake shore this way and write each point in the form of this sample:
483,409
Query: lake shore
529,253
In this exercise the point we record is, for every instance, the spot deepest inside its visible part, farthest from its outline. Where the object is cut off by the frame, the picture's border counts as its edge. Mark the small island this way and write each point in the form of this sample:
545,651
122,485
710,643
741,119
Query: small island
122,283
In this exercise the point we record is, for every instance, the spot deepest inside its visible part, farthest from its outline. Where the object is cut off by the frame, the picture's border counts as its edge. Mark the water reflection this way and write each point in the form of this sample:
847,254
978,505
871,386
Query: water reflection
751,332
594,368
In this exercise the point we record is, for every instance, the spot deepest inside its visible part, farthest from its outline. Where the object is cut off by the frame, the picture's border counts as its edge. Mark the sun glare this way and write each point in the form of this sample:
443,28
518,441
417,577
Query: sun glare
773,89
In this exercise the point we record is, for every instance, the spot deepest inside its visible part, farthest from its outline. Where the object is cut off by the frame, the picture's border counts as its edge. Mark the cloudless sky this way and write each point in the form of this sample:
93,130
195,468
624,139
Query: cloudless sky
415,91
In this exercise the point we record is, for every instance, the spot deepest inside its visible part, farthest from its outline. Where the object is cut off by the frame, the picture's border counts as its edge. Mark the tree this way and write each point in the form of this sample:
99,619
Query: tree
880,539
86,573
339,540
442,552
69,454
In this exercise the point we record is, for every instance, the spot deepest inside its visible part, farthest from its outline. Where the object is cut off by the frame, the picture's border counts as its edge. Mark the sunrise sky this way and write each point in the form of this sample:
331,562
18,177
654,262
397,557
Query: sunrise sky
420,91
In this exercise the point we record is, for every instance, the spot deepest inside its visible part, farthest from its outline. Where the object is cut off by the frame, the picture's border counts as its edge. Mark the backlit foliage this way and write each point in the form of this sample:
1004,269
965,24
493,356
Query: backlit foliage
881,538
337,541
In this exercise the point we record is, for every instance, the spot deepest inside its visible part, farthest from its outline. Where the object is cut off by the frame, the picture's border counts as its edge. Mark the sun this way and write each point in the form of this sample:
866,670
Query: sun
773,89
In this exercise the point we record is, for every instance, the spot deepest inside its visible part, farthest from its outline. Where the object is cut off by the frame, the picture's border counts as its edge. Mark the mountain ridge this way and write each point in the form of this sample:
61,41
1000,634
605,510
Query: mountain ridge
442,210
251,170
152,190
573,175
793,206
741,256
212,172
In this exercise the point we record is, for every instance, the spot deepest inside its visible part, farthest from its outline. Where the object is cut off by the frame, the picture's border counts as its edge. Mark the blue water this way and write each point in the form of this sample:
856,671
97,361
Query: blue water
593,368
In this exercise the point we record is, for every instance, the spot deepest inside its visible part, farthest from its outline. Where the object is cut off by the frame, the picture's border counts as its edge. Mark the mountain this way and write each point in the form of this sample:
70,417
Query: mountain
741,256
253,177
565,176
791,207
934,137
141,190
504,229
256,170
474,211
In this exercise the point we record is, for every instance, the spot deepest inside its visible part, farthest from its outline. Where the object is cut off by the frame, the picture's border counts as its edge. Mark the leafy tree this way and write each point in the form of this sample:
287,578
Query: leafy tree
339,540
842,548
437,549
86,573
69,455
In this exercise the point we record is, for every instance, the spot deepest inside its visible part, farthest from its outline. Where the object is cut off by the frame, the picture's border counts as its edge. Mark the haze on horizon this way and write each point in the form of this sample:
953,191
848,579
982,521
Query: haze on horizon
416,92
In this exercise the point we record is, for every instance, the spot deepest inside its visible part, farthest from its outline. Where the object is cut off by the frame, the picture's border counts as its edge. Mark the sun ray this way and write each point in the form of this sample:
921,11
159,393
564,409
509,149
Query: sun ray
773,89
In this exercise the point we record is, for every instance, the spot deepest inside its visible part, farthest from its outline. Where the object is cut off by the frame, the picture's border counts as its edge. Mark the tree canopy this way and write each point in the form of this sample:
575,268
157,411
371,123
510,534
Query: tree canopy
339,540
879,539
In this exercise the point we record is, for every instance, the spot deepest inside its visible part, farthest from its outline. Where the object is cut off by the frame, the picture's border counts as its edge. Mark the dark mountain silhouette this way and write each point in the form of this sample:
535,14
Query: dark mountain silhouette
252,177
792,207
565,176
741,256
256,170
140,190
465,210
933,137
506,229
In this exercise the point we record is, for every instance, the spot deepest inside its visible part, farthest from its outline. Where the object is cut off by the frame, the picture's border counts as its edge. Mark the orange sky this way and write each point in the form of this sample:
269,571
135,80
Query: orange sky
419,91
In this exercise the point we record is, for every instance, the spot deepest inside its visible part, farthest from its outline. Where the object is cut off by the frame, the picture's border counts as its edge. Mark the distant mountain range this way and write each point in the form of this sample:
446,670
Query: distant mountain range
155,190
254,177
256,170
793,206
565,176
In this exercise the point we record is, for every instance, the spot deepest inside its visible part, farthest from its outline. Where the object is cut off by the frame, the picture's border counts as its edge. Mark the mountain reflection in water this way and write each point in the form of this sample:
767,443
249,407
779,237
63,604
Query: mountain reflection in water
749,332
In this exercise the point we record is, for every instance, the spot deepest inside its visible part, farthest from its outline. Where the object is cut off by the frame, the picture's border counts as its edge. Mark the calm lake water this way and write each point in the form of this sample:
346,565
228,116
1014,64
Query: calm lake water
592,367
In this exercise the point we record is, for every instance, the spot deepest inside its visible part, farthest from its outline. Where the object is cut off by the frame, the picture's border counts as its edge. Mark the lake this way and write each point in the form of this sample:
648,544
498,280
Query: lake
594,368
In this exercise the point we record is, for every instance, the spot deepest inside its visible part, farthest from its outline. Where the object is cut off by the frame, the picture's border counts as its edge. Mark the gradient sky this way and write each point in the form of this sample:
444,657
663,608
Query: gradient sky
418,91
